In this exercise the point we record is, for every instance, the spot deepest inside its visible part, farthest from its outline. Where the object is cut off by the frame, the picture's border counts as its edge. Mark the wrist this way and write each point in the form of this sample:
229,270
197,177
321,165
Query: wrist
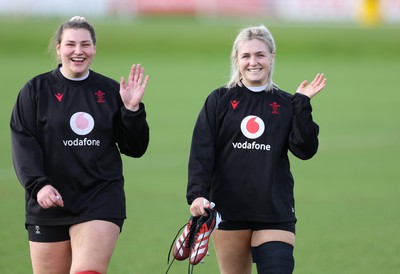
132,108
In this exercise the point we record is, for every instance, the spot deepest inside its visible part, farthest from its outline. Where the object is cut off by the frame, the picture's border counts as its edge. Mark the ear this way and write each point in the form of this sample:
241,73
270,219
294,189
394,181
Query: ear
58,49
272,58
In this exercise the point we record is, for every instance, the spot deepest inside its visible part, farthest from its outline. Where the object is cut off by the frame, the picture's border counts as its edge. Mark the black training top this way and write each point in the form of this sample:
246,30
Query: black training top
70,134
239,152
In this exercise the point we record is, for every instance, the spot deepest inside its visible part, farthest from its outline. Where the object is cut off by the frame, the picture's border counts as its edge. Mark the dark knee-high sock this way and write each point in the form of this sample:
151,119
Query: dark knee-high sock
273,258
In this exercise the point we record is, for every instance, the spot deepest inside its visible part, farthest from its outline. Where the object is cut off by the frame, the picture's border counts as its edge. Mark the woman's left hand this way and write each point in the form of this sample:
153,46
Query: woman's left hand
312,89
132,92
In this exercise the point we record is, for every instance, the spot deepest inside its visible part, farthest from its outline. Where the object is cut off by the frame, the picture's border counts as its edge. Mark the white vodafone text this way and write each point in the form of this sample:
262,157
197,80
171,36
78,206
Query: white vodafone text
251,145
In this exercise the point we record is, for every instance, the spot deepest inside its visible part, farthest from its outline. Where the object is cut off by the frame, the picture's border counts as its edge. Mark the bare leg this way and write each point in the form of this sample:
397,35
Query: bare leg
272,235
92,245
233,251
50,258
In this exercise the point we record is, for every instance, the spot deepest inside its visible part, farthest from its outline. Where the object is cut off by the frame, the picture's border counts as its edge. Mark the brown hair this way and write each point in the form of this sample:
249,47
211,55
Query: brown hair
76,22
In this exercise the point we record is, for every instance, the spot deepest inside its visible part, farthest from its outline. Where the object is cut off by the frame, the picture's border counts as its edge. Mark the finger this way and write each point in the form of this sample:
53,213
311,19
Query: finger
202,207
59,203
319,78
316,79
59,200
47,204
122,82
322,85
54,201
137,73
303,84
141,74
42,204
198,211
194,211
132,74
146,80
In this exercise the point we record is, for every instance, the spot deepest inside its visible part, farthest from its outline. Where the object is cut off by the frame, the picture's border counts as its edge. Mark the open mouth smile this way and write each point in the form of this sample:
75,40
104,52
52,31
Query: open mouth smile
78,59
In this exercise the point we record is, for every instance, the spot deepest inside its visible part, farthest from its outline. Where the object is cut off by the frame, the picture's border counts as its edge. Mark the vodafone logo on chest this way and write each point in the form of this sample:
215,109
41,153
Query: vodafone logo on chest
82,123
252,127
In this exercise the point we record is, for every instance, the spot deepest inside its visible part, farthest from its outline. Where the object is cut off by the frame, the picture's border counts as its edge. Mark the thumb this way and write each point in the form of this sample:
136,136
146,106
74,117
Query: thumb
59,201
303,84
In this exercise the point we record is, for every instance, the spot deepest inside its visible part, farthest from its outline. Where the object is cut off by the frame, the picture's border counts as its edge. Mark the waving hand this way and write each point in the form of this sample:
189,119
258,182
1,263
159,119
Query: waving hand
312,89
132,92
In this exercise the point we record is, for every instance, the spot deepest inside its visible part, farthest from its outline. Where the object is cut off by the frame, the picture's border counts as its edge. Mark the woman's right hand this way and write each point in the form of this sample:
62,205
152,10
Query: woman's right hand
49,197
197,208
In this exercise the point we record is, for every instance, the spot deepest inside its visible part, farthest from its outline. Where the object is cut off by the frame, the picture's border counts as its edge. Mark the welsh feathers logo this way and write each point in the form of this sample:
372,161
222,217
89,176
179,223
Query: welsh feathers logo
81,123
252,127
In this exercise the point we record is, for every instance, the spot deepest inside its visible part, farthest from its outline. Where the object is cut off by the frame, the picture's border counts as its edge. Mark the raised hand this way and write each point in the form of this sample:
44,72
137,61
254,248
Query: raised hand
312,89
132,92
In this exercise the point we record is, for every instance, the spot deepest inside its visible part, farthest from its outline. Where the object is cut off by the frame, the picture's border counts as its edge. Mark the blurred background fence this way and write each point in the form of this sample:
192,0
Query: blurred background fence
367,12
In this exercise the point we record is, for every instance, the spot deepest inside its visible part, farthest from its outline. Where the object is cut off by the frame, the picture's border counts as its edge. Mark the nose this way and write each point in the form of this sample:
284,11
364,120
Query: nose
253,61
78,49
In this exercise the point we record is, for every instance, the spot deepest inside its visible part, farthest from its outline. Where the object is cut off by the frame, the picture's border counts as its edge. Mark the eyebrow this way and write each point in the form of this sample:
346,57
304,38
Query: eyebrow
257,52
73,41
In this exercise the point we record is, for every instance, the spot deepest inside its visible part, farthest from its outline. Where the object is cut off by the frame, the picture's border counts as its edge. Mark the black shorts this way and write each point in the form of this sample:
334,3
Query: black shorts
60,233
240,225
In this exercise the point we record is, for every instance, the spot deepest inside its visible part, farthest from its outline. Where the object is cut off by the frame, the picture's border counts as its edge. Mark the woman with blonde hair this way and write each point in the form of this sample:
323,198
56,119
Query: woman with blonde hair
239,158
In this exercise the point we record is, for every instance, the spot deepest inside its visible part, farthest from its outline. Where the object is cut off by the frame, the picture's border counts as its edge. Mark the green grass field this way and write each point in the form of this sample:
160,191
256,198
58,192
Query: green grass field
346,196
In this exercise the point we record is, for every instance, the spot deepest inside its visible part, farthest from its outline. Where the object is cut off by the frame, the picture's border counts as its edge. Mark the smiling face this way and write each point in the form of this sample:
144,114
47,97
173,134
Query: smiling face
254,61
76,51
